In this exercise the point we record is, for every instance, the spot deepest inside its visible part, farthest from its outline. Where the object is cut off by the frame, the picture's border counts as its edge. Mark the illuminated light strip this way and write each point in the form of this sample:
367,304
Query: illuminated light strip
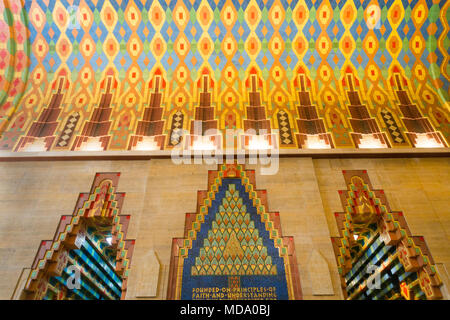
314,142
37,145
92,144
425,141
147,144
259,143
368,141
203,143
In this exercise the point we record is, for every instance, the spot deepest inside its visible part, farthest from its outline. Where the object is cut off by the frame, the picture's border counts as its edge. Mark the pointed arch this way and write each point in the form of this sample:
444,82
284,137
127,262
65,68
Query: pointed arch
92,241
231,243
375,242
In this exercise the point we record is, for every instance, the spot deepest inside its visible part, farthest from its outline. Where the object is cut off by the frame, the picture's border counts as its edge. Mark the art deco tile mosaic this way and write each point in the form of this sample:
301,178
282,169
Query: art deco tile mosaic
233,246
375,241
129,75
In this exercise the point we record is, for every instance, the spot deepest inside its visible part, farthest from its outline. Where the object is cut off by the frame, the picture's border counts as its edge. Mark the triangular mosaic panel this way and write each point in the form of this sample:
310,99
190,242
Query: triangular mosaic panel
233,247
378,68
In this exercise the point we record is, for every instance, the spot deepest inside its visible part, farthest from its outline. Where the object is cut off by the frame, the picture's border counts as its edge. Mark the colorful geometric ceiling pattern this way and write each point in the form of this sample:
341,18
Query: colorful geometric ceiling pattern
129,75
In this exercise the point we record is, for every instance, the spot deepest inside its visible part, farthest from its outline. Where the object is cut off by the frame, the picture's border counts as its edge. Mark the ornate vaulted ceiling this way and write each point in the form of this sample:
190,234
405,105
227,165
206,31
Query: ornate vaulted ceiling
130,75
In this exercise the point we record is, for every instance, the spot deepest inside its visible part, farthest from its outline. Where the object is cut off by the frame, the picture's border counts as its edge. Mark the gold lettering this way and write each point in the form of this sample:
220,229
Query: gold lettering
247,293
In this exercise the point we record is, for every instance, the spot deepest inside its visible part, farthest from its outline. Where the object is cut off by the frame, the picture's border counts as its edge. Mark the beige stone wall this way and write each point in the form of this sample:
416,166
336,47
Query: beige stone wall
171,192
33,195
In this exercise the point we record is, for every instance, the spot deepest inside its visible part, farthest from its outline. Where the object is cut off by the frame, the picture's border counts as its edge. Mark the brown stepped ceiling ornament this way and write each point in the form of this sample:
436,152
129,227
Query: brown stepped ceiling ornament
100,210
403,257
420,131
149,132
41,134
366,132
256,125
312,132
95,134
204,129
233,247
